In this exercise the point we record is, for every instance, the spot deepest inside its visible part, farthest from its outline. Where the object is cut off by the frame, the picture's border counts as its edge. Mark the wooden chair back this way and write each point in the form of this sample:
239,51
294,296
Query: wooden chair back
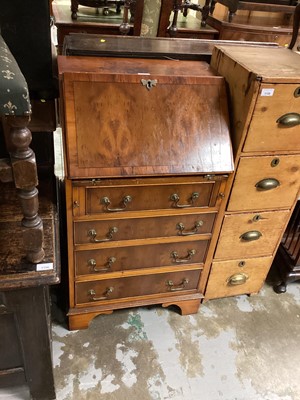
295,26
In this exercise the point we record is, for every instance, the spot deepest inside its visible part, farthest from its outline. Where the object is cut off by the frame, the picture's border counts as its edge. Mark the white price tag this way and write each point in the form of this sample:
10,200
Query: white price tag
44,267
267,92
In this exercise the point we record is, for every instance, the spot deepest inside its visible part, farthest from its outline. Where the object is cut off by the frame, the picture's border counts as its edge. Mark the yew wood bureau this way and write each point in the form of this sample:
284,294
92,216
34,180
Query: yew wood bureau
264,90
148,157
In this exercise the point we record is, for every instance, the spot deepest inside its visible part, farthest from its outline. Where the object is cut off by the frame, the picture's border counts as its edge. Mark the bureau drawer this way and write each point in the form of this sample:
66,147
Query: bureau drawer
265,132
145,285
114,229
247,235
122,258
265,182
234,277
115,196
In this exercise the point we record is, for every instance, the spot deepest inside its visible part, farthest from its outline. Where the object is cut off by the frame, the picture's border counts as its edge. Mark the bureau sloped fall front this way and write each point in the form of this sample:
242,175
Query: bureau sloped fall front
148,160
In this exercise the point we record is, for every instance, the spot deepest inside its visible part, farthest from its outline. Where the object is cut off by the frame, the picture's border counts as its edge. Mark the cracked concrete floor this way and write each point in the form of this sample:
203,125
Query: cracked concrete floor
239,348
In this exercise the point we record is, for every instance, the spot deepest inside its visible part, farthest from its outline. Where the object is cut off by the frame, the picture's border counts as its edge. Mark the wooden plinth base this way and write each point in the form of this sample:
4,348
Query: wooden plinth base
81,318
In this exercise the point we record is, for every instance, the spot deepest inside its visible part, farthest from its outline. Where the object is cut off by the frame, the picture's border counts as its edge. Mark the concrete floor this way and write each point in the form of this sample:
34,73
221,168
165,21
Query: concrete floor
239,348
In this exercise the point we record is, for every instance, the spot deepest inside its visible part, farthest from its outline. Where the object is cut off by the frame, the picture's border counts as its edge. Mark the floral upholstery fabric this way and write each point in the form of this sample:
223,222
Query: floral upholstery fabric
150,18
14,97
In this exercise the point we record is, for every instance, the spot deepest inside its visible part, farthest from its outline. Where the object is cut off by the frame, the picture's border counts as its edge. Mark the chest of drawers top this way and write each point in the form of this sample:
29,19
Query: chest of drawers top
266,64
136,117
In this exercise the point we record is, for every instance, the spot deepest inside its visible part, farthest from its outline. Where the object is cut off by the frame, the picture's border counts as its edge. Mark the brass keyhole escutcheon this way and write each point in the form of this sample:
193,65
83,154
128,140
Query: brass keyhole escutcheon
149,83
297,92
275,162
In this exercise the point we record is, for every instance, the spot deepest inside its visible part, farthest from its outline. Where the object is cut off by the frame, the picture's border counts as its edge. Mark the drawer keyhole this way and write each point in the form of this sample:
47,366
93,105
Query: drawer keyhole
297,92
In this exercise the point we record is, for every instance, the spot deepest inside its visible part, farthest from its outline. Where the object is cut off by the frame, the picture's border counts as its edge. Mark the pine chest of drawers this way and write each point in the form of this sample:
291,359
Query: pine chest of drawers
264,89
148,156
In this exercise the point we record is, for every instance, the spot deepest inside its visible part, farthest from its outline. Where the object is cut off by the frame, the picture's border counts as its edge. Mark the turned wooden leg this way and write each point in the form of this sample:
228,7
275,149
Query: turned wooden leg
132,8
23,163
205,12
74,8
212,6
296,23
280,288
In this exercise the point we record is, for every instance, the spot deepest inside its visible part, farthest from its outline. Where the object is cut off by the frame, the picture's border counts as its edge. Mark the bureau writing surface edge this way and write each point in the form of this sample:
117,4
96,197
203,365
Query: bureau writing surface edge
148,158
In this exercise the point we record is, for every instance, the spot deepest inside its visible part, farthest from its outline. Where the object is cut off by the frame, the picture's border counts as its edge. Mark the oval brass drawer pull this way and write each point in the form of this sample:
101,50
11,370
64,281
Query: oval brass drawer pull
177,288
289,119
175,198
177,259
106,294
93,264
109,236
125,201
250,236
267,184
180,226
237,279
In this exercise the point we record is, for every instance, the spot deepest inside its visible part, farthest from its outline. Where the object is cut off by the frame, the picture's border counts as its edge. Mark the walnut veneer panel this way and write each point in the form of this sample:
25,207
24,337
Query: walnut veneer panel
103,139
136,286
144,255
102,197
143,228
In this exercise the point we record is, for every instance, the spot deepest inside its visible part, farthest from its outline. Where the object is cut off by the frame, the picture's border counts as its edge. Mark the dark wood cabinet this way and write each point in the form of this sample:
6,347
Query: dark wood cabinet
25,323
287,260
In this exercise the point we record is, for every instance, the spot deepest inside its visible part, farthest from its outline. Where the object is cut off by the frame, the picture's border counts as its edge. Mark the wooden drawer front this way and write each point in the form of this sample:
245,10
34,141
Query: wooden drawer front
110,289
144,256
141,228
152,197
255,171
266,230
265,133
234,277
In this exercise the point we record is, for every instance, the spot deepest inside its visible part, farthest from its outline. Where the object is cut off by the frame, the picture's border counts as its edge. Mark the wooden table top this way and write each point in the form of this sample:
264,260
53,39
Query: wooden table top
142,47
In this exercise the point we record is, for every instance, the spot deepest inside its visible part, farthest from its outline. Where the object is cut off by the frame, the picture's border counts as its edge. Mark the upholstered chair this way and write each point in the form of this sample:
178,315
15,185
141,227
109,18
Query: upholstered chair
20,167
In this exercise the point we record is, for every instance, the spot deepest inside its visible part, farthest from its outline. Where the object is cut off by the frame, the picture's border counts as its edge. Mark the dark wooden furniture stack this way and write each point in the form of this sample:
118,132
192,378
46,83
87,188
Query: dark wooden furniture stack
183,25
146,184
275,25
90,22
264,87
29,247
283,6
287,260
256,29
104,4
25,322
